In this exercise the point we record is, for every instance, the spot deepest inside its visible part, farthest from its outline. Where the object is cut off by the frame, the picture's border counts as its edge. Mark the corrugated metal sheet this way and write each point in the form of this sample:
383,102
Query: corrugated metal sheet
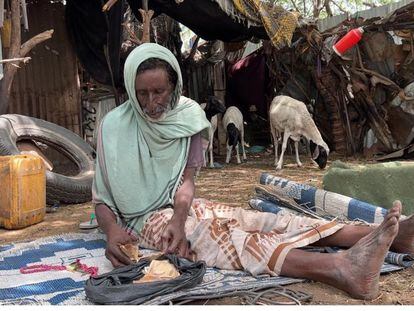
48,86
381,11
200,83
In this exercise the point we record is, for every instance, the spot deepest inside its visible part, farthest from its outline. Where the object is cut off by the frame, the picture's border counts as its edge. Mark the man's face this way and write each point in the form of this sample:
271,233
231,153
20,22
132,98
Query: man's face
154,92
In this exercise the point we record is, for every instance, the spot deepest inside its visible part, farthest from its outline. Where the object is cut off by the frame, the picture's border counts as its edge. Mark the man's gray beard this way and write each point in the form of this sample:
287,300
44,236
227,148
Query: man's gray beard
162,117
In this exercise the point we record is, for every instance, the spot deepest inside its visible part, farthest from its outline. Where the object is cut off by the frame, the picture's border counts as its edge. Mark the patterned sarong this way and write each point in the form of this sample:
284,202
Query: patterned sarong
234,238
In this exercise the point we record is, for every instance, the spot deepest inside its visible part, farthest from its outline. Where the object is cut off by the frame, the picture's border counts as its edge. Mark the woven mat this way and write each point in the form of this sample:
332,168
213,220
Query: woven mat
66,287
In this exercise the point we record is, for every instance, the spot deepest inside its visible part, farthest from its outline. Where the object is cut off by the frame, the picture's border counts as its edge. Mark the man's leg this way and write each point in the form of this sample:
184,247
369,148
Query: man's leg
350,234
404,242
355,270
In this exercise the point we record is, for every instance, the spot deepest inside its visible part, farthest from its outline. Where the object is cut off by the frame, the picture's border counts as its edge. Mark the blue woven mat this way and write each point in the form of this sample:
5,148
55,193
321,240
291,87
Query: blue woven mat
66,288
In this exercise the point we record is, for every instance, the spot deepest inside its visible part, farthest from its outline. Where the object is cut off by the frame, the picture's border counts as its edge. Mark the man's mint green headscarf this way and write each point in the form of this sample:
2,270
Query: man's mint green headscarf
140,163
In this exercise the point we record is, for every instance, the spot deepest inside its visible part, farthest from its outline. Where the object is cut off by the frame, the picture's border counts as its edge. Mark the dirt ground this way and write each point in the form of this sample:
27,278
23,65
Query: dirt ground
234,185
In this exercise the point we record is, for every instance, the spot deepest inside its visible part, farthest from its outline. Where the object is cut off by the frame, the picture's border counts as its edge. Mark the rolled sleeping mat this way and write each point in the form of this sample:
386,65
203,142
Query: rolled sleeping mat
326,202
264,206
403,260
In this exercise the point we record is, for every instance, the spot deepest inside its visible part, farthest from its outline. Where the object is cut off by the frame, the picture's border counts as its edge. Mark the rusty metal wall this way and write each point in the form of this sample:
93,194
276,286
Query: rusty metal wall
48,86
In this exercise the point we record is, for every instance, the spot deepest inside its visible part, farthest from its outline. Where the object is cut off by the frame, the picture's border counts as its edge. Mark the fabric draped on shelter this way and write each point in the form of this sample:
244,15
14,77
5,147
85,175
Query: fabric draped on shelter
246,83
234,238
278,22
230,9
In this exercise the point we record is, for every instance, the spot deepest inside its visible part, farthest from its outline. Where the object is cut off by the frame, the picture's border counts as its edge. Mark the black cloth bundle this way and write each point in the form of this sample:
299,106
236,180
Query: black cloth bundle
116,287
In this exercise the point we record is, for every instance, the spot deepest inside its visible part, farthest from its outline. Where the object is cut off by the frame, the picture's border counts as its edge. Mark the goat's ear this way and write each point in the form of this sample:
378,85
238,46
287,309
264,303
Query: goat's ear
215,101
314,150
315,154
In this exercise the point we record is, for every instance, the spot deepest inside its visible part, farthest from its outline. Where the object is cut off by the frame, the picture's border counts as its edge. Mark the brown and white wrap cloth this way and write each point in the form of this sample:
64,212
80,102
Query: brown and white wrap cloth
238,239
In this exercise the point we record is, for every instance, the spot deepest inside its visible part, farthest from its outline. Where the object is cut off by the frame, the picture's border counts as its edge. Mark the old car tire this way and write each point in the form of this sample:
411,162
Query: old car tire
59,188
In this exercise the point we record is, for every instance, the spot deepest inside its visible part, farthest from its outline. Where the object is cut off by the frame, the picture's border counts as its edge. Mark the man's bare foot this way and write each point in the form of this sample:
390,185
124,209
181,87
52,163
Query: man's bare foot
404,242
360,265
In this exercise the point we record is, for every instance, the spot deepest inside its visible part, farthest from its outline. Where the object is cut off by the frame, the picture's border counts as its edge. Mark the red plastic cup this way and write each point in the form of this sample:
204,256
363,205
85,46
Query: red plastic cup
348,41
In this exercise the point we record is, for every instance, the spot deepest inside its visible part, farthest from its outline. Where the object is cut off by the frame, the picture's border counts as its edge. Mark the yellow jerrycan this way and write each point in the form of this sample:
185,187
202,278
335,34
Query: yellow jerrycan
22,191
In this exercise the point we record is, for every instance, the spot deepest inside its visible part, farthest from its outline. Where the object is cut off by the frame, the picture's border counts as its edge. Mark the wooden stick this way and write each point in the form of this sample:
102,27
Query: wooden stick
32,42
146,24
107,6
11,60
145,5
132,36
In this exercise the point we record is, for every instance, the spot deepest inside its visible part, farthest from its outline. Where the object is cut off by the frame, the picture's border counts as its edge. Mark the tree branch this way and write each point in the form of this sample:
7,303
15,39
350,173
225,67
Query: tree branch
317,7
13,60
295,5
108,5
32,42
339,7
371,5
17,50
15,30
132,36
193,49
146,24
328,8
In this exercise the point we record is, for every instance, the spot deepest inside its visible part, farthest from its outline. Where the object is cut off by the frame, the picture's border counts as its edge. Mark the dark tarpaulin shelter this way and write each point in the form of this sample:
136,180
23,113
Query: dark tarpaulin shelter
92,29
203,17
93,34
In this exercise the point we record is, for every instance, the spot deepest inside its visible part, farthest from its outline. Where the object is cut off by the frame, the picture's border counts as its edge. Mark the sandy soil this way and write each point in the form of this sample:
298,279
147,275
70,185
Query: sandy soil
234,185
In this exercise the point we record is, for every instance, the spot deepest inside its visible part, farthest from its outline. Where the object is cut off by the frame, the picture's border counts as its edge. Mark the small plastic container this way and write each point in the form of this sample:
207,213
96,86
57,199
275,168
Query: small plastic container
348,41
22,191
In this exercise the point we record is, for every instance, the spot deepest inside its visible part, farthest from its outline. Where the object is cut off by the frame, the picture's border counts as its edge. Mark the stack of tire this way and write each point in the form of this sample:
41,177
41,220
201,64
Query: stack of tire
59,188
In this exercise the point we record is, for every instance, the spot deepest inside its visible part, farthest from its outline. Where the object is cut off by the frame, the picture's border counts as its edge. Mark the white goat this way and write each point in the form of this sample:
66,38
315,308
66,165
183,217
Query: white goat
209,152
212,107
290,117
233,123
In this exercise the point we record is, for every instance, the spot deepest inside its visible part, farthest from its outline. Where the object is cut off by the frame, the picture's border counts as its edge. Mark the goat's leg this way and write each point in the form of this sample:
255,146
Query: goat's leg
237,153
242,142
205,150
210,149
297,154
286,135
228,153
275,140
205,158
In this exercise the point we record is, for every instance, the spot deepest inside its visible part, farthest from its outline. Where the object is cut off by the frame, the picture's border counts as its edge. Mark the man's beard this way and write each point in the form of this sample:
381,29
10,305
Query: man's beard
167,109
161,117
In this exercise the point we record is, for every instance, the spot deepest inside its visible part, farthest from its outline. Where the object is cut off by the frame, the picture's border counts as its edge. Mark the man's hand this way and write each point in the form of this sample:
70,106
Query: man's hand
174,240
116,236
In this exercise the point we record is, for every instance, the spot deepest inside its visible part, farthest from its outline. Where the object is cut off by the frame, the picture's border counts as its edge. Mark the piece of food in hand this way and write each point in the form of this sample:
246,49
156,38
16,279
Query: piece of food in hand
159,270
131,250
